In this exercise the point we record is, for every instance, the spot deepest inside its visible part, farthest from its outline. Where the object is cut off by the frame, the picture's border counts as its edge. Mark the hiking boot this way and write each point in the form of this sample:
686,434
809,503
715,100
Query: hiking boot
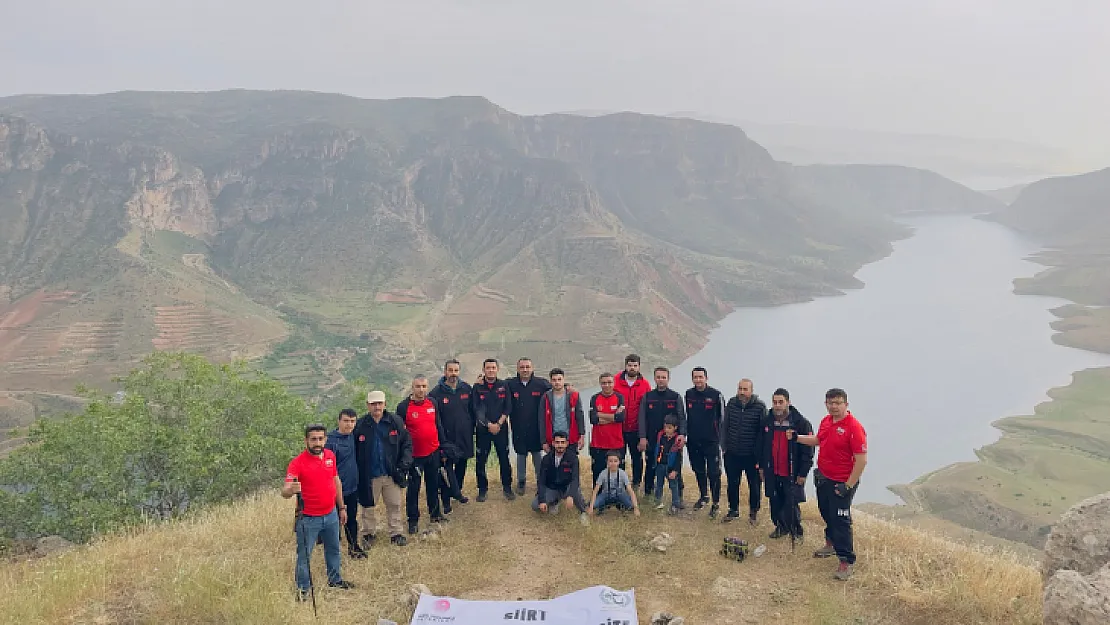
481,496
753,518
844,571
440,519
342,585
463,499
700,503
356,554
520,488
446,508
827,551
368,540
413,527
673,510
779,533
509,496
714,510
678,506
731,516
398,540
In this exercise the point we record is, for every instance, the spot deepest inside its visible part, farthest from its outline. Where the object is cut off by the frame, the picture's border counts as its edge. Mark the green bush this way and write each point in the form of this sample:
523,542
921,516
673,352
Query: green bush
186,433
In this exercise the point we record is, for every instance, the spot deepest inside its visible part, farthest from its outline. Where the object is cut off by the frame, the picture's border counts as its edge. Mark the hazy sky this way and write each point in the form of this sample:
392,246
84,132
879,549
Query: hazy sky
1032,70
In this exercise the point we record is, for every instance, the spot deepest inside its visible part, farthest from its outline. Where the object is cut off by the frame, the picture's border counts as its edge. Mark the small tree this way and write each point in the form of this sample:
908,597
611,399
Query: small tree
187,433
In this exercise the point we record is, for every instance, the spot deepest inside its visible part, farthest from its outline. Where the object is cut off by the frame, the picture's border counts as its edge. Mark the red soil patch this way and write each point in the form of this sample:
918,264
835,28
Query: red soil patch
398,296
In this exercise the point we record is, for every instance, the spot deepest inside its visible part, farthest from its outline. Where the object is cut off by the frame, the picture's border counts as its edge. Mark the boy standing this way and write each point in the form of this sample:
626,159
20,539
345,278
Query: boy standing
613,488
668,464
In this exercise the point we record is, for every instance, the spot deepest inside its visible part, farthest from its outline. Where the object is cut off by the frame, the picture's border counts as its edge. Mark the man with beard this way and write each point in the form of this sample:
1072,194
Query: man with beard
492,404
785,464
383,451
654,407
525,422
704,409
341,442
422,421
452,398
313,478
632,386
562,412
558,480
840,464
742,446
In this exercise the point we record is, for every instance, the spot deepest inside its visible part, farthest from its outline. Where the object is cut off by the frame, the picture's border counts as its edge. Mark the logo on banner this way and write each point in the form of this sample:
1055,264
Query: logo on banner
614,597
442,605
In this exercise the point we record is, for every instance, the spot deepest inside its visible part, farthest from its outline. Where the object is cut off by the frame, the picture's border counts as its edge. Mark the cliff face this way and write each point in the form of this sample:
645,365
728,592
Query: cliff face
635,227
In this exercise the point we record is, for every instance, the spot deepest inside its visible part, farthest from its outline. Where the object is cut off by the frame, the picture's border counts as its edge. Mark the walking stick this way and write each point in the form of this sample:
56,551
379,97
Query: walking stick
302,536
790,495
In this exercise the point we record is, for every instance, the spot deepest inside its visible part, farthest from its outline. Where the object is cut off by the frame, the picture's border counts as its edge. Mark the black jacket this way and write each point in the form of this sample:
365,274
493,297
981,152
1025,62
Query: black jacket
489,402
456,415
655,406
704,410
740,429
803,454
526,419
558,478
398,454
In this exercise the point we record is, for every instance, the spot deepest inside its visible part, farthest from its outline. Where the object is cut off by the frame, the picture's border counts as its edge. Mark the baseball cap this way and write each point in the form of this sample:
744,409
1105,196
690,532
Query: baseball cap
375,396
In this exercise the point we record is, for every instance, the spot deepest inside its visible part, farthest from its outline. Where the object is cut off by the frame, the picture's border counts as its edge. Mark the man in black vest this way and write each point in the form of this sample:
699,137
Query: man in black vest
525,419
704,409
655,405
742,445
492,404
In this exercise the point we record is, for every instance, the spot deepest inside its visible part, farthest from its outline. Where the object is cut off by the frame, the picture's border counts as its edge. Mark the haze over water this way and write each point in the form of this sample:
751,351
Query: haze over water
934,348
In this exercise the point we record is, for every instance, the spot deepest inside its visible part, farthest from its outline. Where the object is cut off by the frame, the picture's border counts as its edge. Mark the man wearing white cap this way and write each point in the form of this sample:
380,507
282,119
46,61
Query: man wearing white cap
383,451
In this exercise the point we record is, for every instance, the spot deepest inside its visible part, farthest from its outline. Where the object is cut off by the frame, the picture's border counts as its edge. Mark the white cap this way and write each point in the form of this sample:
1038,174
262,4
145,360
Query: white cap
375,396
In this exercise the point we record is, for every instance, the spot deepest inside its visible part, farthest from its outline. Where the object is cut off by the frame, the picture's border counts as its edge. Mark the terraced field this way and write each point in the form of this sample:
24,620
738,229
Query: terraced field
190,328
298,372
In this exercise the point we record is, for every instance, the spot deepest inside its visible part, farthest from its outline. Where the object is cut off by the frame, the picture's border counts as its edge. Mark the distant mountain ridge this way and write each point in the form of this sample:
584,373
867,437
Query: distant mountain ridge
211,221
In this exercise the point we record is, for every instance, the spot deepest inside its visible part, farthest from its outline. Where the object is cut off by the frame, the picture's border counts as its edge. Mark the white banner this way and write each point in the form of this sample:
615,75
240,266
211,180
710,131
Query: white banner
597,605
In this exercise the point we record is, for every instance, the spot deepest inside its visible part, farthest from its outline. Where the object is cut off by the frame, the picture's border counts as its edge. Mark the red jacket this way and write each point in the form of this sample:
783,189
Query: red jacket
632,396
574,416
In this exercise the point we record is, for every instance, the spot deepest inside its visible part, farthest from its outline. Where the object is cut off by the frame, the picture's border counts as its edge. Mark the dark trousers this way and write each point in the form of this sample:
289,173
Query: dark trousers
598,460
785,495
429,467
649,467
632,444
837,513
735,465
705,458
452,487
500,443
351,501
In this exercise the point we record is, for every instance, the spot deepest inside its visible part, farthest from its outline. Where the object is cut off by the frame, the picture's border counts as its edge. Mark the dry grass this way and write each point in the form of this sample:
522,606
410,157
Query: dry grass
234,565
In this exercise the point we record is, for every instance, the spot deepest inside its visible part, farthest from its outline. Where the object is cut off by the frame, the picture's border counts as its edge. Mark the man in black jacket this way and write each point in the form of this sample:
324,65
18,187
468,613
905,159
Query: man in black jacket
452,398
383,451
655,405
557,481
705,407
525,420
492,404
785,464
742,445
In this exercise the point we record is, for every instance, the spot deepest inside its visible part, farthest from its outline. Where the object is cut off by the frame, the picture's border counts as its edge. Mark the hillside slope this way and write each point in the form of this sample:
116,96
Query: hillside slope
437,227
234,565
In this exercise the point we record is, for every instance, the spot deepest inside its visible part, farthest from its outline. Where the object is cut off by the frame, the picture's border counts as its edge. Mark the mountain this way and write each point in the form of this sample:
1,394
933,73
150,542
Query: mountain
221,222
1006,194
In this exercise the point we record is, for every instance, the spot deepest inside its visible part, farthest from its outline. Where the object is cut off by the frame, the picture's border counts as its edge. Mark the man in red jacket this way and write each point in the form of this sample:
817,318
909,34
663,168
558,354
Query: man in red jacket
421,419
607,412
632,387
562,412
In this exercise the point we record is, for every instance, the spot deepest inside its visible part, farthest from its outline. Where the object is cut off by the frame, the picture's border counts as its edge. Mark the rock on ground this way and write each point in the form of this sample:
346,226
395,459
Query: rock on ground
662,542
1080,540
666,618
1071,598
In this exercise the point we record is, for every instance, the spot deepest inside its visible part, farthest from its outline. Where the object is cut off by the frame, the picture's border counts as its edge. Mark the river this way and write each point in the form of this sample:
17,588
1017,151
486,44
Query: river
931,350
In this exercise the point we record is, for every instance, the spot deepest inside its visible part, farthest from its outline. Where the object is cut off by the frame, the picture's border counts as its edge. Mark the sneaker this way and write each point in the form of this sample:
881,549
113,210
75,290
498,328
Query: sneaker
678,506
700,503
446,508
481,496
732,516
779,533
844,571
368,540
714,510
827,551
509,496
399,540
302,594
342,585
413,527
673,510
356,554
584,518
520,488
753,517
660,505
464,499
440,519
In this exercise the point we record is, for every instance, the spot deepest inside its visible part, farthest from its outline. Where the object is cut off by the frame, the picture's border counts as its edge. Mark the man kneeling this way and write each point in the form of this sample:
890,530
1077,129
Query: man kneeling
557,480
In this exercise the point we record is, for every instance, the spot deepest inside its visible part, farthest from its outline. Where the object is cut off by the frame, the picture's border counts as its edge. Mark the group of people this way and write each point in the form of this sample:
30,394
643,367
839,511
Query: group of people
431,436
